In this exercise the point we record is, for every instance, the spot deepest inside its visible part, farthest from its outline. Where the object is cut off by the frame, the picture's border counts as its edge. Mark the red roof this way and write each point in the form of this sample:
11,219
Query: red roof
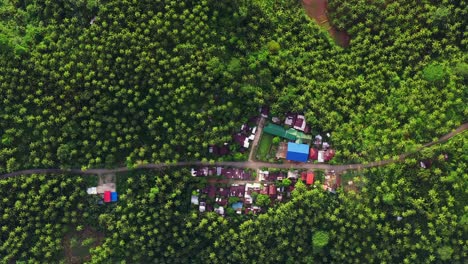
211,191
223,192
329,154
298,122
238,191
239,138
272,190
224,150
313,154
223,202
107,196
310,178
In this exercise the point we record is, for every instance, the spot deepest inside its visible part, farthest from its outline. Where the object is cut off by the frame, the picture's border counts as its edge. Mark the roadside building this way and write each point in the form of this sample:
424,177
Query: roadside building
262,175
313,154
297,152
329,154
107,196
310,178
293,174
321,156
113,196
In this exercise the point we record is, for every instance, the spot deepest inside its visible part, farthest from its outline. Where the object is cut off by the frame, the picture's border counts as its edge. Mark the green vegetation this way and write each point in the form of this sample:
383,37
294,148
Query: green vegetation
264,146
426,219
434,73
161,81
285,183
320,239
79,243
36,211
263,200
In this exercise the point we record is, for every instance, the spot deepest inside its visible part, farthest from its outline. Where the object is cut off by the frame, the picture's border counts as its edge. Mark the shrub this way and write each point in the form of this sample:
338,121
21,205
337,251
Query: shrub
320,239
274,47
434,72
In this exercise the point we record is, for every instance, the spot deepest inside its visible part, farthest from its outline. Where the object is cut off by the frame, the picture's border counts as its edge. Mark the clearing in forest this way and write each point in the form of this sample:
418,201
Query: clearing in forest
77,244
106,183
317,9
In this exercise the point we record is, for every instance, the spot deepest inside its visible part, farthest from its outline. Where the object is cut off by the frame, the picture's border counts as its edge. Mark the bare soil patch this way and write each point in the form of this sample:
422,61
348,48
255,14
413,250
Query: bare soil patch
106,183
317,10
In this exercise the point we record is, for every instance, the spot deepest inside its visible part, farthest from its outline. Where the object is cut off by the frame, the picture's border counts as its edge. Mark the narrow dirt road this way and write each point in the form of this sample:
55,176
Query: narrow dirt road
242,164
258,134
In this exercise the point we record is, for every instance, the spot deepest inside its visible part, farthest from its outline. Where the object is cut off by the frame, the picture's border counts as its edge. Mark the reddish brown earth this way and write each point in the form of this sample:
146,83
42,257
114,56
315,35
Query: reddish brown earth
317,10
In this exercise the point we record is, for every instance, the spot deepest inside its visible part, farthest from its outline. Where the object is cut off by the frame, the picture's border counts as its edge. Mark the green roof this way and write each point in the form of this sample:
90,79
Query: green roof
278,131
298,134
303,136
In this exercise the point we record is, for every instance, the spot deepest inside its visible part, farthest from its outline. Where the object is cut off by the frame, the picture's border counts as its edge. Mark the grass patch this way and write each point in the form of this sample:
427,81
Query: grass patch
264,146
319,176
348,176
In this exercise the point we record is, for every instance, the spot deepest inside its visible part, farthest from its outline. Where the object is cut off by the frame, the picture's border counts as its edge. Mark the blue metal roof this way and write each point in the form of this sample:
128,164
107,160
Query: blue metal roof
297,152
114,196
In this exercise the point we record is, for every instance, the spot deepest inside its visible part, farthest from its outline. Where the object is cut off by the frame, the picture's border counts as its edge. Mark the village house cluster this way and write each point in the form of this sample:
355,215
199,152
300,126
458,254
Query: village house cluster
298,141
243,138
298,144
236,191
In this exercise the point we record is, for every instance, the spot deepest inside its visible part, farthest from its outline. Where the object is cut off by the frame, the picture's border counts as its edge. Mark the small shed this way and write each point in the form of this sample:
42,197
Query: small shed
92,190
329,154
313,154
194,200
321,156
297,152
246,143
114,196
107,196
310,178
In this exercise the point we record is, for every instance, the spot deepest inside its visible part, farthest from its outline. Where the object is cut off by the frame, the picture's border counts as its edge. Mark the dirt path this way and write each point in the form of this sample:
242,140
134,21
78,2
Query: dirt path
242,164
317,10
258,134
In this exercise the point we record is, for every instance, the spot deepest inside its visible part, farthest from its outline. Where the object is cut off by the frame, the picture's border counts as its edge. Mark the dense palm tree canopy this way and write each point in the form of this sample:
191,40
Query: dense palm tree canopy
109,83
